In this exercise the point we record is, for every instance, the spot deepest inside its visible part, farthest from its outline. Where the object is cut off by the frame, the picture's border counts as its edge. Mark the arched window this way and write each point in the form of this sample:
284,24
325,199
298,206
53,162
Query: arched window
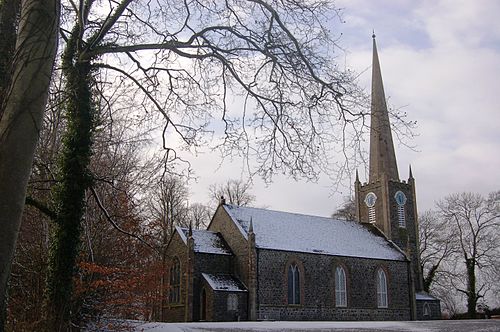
427,310
232,302
293,284
340,287
381,289
175,282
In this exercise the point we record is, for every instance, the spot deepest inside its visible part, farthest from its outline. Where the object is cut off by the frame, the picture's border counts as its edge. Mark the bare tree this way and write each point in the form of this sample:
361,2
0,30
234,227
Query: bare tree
185,60
235,192
347,211
168,209
475,222
25,75
437,245
200,215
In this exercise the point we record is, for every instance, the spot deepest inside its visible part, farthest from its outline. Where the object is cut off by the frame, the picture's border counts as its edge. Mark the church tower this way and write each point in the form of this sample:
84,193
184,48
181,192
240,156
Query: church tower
385,201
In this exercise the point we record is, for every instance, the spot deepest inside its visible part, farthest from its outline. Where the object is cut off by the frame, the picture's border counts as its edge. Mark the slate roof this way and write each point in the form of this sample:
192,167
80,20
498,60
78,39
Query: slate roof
206,241
423,296
311,234
224,282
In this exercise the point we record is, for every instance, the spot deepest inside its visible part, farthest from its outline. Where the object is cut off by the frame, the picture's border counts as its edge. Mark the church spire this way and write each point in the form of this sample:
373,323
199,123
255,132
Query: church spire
382,155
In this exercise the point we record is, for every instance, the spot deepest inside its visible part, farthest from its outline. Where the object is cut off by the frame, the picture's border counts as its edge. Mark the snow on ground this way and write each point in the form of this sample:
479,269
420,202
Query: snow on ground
414,326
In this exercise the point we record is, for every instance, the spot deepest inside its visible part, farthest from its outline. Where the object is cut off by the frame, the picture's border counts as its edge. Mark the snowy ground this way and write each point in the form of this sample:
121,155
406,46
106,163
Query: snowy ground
415,326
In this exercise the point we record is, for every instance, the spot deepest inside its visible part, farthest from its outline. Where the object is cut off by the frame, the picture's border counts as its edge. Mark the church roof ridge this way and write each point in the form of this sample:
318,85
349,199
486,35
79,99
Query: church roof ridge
272,210
287,231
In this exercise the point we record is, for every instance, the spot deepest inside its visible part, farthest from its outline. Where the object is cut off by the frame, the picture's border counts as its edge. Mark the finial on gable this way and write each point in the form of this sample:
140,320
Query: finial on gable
190,233
357,176
373,34
222,200
250,228
411,173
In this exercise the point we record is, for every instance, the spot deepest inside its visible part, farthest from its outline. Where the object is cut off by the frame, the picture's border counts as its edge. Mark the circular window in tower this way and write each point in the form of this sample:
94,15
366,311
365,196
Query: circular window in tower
370,199
400,198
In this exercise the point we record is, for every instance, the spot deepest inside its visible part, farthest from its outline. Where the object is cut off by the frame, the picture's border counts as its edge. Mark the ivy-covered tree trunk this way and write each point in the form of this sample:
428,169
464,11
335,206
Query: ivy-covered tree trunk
471,287
24,87
74,181
429,278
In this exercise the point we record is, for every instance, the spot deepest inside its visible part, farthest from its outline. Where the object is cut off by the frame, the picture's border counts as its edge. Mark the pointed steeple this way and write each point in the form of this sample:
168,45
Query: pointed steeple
382,155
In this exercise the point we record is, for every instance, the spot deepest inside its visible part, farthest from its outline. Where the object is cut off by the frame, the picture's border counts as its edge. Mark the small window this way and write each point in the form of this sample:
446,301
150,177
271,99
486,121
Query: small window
340,288
370,201
175,282
293,284
427,310
381,289
232,302
400,198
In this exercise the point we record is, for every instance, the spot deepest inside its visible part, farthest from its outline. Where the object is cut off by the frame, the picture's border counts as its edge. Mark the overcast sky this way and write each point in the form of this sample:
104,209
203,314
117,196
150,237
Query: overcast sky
441,61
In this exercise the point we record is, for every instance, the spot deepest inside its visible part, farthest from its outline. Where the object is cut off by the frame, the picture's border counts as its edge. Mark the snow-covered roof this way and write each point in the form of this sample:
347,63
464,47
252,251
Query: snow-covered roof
423,296
206,241
224,282
311,234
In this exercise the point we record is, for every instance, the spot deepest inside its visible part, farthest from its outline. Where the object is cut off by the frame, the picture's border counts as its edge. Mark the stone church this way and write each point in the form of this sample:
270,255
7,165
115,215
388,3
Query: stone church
258,264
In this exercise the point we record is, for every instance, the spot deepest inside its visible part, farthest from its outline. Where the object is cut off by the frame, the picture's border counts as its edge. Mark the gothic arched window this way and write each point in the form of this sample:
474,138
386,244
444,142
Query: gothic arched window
427,310
340,287
232,302
381,289
175,281
293,284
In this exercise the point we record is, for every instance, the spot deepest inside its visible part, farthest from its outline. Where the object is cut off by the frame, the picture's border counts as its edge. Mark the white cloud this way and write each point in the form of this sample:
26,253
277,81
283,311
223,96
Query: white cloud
442,60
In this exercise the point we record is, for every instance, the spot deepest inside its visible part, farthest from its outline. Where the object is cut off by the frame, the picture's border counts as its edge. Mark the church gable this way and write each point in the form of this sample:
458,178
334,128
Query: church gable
310,234
206,242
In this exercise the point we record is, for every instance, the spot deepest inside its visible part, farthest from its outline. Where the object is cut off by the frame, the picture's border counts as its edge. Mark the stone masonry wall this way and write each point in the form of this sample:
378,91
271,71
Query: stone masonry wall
406,238
217,305
318,301
434,308
174,312
223,224
207,263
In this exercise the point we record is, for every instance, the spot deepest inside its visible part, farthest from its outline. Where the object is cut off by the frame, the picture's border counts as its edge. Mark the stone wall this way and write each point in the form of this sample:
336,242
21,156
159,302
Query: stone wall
217,304
318,301
175,312
406,238
222,223
207,263
434,307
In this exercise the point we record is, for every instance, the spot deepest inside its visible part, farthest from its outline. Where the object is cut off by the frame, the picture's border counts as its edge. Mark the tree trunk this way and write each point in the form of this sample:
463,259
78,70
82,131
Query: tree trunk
429,279
21,118
471,287
70,193
9,11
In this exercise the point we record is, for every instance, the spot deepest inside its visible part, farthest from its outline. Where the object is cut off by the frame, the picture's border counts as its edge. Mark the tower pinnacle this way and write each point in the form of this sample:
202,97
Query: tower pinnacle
382,155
